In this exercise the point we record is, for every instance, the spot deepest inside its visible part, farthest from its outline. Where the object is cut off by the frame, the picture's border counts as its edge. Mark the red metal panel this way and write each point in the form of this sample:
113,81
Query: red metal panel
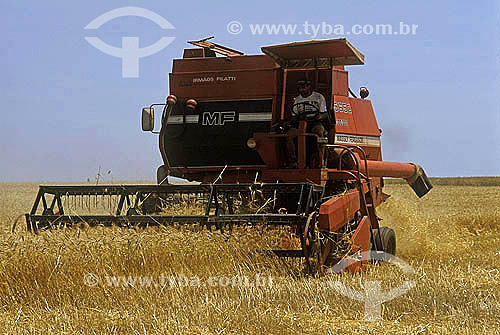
356,117
197,65
366,123
336,212
225,85
361,238
268,148
340,82
222,78
346,123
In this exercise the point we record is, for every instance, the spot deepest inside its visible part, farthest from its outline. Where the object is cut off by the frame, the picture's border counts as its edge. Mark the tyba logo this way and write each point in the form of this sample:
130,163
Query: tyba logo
130,53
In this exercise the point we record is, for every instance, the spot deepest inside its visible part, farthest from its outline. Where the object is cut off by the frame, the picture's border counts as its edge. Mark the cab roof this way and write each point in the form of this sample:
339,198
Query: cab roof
317,53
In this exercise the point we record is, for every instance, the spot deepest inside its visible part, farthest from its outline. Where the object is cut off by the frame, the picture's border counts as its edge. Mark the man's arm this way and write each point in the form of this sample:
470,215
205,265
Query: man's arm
295,108
322,108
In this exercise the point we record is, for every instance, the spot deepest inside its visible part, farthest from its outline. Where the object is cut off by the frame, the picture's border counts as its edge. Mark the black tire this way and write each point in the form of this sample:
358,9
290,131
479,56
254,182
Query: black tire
161,175
388,240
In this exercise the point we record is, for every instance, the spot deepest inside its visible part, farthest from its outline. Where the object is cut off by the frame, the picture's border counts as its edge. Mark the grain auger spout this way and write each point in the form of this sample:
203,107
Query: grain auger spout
413,173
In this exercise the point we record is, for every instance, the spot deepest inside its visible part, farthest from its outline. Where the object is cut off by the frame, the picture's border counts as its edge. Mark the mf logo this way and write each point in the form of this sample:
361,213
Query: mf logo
217,118
130,53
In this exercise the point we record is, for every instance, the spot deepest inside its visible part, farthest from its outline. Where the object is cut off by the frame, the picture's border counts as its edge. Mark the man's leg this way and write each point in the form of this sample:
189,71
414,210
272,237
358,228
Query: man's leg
319,130
290,146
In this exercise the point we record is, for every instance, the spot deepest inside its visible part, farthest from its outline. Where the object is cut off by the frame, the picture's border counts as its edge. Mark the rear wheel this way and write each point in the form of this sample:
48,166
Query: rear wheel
388,240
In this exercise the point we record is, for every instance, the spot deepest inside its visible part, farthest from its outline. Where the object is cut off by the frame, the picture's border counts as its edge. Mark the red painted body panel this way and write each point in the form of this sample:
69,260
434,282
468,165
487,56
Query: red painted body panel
225,85
356,117
334,213
366,123
361,237
340,81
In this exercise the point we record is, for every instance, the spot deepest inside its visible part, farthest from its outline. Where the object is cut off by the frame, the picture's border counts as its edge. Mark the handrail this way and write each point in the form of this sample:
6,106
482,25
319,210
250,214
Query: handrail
351,152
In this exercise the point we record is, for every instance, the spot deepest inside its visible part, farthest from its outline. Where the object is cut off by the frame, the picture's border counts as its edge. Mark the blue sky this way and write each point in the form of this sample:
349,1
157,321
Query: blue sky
67,110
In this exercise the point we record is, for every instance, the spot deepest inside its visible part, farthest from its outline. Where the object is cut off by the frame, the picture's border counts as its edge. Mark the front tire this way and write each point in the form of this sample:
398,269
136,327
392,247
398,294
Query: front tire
162,175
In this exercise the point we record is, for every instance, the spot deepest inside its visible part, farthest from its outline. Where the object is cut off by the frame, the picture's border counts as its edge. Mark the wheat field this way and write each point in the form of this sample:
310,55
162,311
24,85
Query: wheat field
451,238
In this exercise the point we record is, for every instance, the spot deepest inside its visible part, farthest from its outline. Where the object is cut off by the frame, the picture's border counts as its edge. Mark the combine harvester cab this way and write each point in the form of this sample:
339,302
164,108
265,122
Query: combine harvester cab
224,125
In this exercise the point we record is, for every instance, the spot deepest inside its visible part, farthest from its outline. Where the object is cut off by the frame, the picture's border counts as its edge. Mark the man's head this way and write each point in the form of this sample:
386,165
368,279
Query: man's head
304,87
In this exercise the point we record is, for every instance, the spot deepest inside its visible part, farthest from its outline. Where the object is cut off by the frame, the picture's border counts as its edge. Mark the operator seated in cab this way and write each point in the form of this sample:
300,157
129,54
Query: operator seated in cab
310,106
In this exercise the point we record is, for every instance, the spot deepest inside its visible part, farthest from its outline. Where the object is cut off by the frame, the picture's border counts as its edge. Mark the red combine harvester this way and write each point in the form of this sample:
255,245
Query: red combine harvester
225,124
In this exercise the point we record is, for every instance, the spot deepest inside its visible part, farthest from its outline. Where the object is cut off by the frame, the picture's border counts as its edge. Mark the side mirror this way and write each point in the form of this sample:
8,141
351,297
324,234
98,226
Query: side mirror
148,119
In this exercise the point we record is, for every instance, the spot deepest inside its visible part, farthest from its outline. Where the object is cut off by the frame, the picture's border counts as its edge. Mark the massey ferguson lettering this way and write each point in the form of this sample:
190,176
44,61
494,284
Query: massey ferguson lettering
217,118
349,139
